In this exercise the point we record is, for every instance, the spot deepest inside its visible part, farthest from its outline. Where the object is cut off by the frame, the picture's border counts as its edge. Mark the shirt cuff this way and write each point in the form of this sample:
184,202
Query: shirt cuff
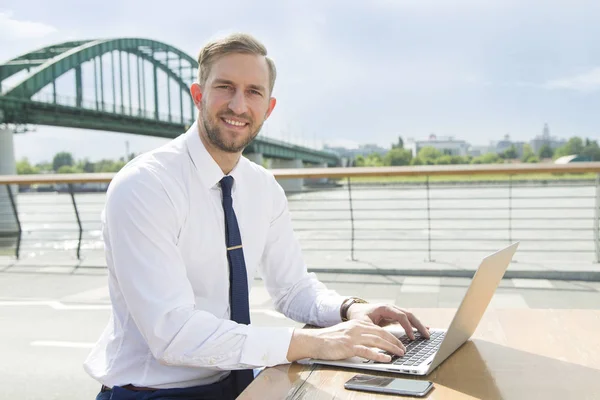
329,310
266,346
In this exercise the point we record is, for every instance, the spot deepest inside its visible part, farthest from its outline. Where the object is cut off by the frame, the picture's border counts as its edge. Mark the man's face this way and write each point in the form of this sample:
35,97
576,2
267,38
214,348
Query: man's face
235,101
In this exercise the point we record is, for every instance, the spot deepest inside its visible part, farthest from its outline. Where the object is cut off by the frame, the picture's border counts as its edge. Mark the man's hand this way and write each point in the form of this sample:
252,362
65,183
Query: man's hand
384,314
344,340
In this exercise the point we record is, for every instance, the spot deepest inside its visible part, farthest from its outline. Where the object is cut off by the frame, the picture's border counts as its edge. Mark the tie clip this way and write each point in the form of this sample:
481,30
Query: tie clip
234,247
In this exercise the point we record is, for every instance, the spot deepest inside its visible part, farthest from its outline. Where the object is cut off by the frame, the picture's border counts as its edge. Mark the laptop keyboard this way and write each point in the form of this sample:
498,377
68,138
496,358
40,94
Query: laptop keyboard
418,350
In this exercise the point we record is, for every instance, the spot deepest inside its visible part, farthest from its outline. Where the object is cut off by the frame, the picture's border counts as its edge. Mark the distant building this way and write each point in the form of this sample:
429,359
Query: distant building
505,144
362,150
545,138
476,151
447,145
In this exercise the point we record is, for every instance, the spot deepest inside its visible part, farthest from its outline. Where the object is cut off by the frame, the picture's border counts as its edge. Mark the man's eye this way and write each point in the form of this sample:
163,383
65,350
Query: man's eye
256,92
223,87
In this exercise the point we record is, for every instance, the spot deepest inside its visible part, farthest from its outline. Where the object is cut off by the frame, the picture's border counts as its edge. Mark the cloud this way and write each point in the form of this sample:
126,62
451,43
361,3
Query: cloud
15,29
586,82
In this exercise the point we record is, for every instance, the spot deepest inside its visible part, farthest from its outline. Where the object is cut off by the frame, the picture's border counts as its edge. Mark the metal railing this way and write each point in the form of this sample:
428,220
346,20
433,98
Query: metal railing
425,212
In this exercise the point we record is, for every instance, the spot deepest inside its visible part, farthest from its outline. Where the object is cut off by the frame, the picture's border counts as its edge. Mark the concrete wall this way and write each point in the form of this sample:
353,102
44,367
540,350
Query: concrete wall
8,223
289,185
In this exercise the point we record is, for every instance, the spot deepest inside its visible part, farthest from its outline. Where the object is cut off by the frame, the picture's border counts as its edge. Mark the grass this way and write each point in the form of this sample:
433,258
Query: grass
477,178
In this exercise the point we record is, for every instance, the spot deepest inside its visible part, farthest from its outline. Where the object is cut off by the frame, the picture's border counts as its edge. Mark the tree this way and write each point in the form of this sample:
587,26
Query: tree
397,156
428,155
573,146
359,161
23,167
373,160
591,150
85,165
528,154
488,158
60,159
447,160
399,145
510,153
546,151
68,169
44,166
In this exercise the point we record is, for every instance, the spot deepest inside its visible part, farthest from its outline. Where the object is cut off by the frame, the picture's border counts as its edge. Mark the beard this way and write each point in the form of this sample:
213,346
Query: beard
218,138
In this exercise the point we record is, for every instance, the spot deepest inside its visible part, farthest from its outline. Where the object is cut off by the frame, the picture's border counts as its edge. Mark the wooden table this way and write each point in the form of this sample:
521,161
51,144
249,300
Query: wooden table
514,354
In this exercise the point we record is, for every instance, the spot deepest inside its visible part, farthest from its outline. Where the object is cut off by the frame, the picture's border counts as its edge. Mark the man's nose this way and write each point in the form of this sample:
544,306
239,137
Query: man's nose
238,103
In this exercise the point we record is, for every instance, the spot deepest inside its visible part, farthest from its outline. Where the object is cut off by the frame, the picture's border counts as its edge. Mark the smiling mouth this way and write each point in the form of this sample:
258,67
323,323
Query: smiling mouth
233,123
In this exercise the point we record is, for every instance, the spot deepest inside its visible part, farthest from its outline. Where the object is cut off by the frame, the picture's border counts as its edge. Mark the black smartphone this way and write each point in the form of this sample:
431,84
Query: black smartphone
382,384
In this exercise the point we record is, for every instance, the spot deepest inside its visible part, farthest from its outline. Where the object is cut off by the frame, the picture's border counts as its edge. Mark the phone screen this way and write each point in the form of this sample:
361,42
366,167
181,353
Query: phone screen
393,385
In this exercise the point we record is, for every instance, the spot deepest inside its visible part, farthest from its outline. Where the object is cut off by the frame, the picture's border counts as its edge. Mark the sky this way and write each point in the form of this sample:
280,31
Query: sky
357,72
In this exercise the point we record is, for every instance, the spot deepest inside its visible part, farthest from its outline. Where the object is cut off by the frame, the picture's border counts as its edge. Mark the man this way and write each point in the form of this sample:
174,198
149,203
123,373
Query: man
187,227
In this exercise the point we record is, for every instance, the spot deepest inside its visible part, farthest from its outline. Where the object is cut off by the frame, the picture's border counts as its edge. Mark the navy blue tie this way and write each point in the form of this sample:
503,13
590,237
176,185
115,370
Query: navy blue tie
238,279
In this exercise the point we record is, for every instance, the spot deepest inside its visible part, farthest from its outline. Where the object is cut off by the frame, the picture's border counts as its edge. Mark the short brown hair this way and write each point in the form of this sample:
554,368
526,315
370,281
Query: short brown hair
234,43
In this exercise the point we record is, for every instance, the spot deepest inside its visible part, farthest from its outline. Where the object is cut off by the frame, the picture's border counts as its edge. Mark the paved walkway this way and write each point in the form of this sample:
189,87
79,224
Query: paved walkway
384,263
55,313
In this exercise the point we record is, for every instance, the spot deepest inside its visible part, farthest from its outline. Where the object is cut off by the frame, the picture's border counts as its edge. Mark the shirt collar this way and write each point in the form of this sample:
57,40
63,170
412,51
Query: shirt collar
208,170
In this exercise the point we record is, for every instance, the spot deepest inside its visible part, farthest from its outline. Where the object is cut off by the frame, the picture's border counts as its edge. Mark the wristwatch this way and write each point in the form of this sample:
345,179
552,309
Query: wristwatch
346,305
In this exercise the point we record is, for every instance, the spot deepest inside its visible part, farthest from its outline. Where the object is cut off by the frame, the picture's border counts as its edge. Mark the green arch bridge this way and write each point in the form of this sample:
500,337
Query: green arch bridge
130,85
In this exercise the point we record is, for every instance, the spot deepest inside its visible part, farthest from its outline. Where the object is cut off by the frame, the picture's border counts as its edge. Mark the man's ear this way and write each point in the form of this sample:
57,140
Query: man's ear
272,103
196,92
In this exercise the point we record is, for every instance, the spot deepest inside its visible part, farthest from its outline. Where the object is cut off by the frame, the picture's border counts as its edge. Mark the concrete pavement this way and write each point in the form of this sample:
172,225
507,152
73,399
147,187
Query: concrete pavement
51,316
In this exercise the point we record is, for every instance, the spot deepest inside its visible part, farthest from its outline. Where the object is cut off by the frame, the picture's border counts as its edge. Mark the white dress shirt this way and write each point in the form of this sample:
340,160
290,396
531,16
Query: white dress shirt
168,274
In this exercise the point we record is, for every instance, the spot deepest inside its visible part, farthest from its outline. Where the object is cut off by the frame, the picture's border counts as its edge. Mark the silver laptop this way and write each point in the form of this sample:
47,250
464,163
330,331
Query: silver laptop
424,355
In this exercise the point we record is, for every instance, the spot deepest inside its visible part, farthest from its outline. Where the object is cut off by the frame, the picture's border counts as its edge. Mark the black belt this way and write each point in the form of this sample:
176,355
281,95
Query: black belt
212,389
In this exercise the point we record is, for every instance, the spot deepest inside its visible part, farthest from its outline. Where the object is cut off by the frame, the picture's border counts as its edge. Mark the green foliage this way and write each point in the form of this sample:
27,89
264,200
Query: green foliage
488,158
531,159
528,155
591,150
85,165
451,160
573,146
24,167
359,161
397,156
66,165
69,169
510,153
399,145
428,155
546,151
60,159
372,160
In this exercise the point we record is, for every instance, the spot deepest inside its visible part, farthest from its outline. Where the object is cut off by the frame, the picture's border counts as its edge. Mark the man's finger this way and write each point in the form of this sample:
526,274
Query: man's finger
398,315
384,334
380,343
417,324
371,354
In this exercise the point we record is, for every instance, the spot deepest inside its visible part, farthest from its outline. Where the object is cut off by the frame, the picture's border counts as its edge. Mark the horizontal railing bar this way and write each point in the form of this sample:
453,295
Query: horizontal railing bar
456,250
444,229
359,239
422,170
442,209
440,186
449,219
293,200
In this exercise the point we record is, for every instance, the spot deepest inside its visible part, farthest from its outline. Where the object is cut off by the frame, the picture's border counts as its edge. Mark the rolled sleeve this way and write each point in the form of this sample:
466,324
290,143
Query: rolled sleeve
266,346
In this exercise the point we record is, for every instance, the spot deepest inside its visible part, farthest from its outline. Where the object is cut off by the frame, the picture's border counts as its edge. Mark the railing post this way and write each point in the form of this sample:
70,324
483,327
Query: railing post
428,220
351,221
13,205
597,219
510,209
78,219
